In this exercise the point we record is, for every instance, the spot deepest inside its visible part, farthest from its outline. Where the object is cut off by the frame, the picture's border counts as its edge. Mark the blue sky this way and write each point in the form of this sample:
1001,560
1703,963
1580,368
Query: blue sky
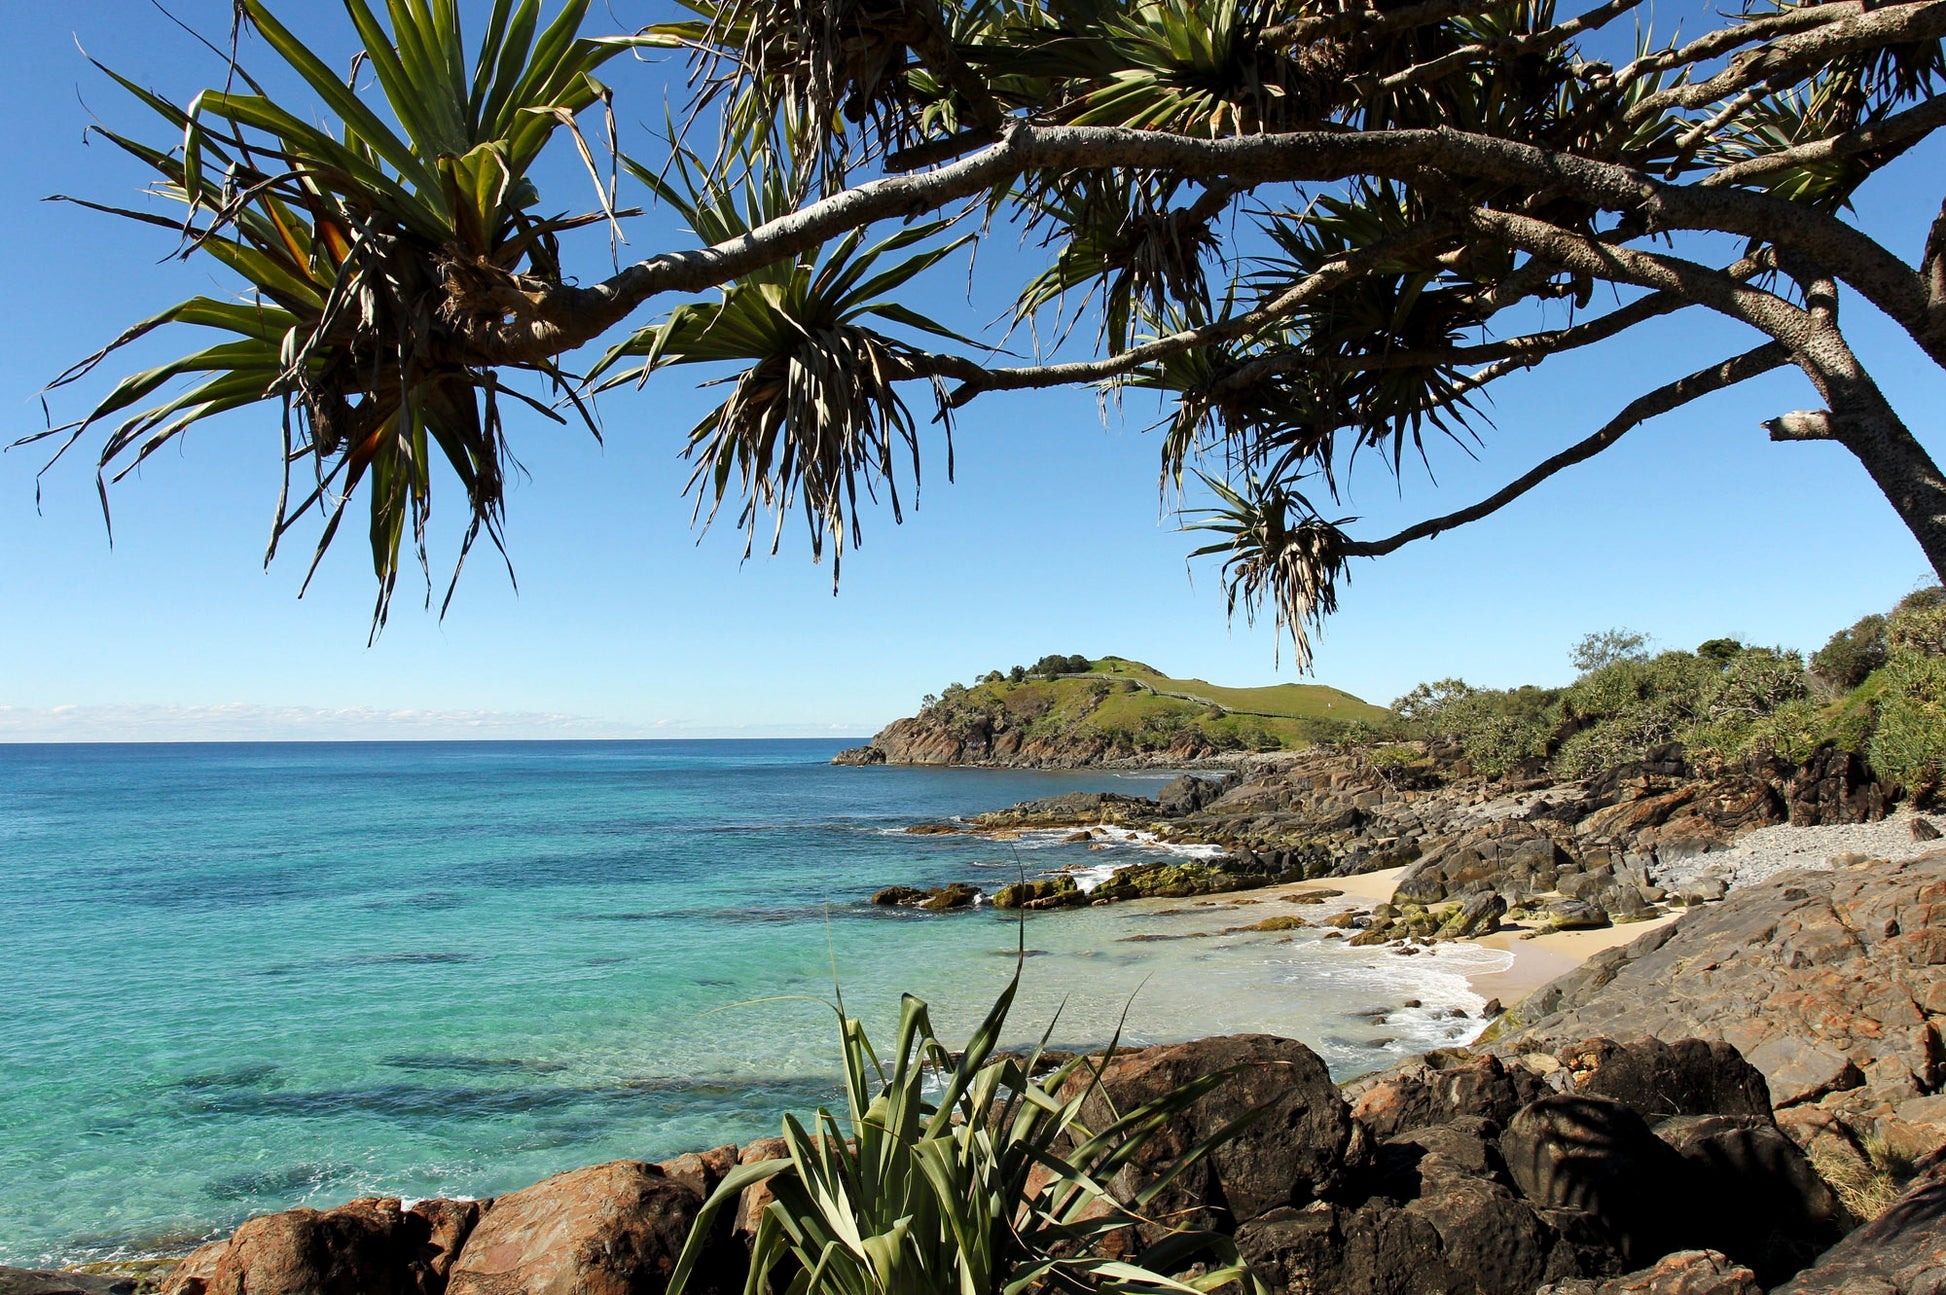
1050,539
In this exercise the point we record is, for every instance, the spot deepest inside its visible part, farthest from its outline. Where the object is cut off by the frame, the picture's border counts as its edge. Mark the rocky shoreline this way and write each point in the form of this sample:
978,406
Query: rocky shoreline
1746,1099
1631,844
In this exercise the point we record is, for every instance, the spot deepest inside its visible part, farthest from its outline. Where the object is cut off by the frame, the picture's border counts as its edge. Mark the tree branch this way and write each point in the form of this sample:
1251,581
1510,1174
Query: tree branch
1898,133
1724,39
1698,283
1851,28
1801,425
563,317
977,380
1662,400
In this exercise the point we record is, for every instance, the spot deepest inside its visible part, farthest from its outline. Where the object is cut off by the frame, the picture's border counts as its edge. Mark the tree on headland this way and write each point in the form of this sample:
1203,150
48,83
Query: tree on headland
1314,229
1606,647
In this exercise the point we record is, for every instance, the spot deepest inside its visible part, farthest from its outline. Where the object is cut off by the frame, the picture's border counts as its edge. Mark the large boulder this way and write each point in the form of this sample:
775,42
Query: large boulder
1901,1252
1659,1080
1433,1215
366,1247
613,1229
1765,1204
1597,1158
1187,795
1293,1149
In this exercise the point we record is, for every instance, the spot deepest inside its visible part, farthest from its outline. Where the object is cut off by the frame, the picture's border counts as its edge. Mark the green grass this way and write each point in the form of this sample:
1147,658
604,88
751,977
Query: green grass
1284,700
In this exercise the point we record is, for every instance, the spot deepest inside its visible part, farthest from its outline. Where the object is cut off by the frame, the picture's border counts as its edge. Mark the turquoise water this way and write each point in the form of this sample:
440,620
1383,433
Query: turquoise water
242,977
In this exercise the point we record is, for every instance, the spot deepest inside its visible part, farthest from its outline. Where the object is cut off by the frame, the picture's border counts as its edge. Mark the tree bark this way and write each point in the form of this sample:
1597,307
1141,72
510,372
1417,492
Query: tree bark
1907,475
1863,421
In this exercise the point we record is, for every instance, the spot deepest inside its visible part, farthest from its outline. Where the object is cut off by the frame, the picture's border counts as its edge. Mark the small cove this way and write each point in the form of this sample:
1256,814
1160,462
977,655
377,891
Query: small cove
244,977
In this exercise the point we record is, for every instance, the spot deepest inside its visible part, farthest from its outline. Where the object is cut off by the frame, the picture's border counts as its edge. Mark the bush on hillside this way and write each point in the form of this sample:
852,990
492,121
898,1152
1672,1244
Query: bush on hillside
1051,665
1851,655
1723,702
1908,742
1908,736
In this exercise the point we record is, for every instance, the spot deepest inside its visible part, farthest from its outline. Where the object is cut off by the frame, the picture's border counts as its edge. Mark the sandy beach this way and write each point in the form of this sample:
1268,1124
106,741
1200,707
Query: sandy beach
1537,959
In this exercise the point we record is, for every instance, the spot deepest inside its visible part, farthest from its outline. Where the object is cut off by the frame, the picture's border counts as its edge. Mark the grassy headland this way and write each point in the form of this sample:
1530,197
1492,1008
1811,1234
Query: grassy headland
1126,705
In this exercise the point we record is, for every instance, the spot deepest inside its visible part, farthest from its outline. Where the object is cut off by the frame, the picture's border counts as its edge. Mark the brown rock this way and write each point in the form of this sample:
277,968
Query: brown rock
1799,1070
192,1275
1294,1149
751,1203
364,1247
613,1229
1686,1272
701,1171
1439,1088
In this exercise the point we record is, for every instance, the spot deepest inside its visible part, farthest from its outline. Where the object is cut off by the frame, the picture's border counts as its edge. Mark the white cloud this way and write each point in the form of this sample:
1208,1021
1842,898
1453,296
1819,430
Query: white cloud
246,722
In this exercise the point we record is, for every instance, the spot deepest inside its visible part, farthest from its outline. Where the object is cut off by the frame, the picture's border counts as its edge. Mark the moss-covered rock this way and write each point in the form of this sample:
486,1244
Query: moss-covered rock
1174,881
1053,892
1287,922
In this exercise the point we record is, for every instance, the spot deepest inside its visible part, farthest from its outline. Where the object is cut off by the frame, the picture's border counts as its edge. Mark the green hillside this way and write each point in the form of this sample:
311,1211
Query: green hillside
1283,700
1133,706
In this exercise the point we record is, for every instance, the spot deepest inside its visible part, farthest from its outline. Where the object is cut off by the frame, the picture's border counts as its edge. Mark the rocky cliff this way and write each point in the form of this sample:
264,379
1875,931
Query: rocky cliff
1000,740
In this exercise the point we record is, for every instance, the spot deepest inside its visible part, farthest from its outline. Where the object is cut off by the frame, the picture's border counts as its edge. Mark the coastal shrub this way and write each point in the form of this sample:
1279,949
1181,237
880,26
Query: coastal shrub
1497,729
1051,665
1606,647
962,1172
1719,650
1017,675
1918,624
1908,742
1755,682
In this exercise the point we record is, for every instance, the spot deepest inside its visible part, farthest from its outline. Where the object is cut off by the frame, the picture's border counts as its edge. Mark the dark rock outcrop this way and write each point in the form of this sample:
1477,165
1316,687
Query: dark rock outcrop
38,1281
1297,1146
940,899
1901,1252
1597,1158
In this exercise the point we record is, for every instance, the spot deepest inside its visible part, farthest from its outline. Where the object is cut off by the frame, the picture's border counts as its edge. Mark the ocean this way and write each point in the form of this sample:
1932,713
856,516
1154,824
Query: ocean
240,977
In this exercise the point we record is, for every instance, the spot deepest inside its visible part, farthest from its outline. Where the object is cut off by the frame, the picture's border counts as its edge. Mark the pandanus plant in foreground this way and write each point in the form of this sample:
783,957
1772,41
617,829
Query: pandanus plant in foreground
352,247
963,1172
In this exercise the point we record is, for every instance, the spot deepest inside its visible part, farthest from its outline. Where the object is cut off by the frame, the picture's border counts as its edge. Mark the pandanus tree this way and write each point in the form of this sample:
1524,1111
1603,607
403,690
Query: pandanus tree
1319,229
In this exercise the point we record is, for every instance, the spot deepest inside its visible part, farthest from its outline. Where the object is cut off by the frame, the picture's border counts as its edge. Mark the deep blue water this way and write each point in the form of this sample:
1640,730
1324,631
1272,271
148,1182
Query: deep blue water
236,977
